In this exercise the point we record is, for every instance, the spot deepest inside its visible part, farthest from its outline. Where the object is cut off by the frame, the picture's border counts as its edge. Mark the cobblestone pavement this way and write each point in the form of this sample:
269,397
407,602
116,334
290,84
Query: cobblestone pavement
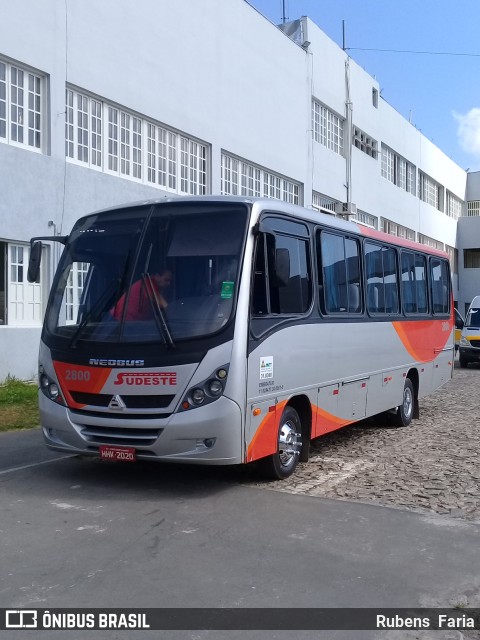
433,465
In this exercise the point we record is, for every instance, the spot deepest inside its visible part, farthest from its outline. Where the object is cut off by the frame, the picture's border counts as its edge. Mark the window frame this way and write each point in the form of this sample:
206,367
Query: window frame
270,228
121,142
415,255
24,105
327,310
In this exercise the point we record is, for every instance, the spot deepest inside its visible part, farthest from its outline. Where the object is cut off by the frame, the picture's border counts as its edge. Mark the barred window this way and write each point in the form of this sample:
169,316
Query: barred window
454,206
473,208
395,229
453,257
83,129
430,191
323,203
22,98
327,128
366,219
364,142
112,139
398,170
430,242
246,179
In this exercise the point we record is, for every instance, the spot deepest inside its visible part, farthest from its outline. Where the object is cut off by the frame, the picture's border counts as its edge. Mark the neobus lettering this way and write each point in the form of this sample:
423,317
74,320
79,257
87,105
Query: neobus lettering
104,362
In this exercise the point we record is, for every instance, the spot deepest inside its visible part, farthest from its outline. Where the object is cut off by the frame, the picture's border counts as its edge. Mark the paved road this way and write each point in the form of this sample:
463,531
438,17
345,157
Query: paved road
81,533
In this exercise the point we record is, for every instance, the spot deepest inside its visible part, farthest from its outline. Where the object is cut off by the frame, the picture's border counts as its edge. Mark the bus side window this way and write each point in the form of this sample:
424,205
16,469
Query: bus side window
281,279
440,285
259,293
338,259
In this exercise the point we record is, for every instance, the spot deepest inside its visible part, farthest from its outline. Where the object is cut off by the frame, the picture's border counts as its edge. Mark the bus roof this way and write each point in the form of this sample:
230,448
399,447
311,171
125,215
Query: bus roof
262,204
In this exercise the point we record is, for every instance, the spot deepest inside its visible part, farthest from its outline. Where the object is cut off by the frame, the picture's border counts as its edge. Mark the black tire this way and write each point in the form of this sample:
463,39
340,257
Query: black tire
405,411
463,362
283,463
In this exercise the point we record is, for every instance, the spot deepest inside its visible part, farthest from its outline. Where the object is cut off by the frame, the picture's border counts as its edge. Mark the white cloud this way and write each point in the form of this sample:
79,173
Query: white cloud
468,130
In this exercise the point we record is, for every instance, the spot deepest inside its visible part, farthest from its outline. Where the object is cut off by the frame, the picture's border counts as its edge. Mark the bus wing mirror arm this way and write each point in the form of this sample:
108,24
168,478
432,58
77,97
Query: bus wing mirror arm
36,255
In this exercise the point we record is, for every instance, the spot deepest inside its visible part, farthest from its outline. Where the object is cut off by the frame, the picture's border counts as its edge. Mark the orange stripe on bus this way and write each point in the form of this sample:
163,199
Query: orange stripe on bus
72,378
422,337
264,442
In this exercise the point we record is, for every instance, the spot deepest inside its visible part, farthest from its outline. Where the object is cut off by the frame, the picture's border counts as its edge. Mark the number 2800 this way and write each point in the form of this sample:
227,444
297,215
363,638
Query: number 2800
74,374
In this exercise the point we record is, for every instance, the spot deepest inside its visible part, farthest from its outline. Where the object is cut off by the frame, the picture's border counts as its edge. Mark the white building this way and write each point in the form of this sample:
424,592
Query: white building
107,102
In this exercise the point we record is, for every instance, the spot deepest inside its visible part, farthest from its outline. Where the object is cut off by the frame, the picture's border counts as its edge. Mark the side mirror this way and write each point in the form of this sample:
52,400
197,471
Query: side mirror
33,272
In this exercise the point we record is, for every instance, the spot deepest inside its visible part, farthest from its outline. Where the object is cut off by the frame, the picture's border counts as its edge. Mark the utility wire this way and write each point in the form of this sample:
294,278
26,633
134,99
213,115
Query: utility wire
428,53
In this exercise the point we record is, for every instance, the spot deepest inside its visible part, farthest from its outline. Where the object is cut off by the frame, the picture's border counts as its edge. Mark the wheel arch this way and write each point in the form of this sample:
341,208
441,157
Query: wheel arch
414,378
303,407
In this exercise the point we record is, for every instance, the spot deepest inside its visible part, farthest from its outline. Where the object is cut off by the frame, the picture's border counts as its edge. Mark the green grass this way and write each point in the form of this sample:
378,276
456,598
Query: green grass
18,405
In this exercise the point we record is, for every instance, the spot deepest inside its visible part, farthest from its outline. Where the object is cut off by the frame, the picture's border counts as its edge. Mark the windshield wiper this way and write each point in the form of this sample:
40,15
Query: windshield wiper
158,313
105,301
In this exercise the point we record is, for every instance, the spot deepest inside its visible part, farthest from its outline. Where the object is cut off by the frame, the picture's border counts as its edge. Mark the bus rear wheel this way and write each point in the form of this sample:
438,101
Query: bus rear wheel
283,463
404,414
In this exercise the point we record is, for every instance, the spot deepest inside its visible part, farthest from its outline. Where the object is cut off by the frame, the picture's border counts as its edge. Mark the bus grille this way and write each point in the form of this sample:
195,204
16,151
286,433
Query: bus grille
475,343
125,437
131,402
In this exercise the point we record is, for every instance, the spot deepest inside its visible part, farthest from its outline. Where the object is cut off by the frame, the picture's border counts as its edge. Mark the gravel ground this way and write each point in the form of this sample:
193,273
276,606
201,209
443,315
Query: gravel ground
433,465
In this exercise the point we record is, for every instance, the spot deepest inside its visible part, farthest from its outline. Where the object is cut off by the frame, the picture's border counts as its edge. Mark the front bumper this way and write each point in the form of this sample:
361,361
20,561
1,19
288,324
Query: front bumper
212,434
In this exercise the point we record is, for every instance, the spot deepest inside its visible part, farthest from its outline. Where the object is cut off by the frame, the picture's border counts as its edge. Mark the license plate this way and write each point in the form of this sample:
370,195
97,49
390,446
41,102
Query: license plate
119,454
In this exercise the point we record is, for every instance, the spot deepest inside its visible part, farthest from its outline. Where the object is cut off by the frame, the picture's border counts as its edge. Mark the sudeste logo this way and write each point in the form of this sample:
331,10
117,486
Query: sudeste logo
150,378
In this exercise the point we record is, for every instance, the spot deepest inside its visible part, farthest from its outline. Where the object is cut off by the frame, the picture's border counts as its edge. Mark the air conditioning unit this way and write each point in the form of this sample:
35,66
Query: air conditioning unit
346,208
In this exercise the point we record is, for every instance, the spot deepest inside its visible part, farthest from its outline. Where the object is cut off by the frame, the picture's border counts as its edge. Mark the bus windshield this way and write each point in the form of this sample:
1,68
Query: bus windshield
161,273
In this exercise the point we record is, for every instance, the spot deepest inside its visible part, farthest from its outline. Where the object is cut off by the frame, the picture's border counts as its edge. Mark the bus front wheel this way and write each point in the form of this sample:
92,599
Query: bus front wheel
283,463
404,414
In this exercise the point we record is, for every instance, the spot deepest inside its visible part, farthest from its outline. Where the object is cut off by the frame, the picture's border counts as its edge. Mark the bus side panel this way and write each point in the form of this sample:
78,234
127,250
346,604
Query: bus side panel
348,371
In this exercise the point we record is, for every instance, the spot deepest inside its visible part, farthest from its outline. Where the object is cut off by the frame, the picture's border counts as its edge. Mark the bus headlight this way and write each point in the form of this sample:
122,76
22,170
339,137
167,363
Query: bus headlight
48,387
198,396
464,342
215,387
207,391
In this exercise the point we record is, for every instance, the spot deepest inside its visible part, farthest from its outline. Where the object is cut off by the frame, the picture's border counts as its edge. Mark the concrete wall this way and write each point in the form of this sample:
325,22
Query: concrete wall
469,279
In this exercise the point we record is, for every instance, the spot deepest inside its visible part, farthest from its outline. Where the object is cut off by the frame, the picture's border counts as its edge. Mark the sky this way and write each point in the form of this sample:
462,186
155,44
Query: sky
439,93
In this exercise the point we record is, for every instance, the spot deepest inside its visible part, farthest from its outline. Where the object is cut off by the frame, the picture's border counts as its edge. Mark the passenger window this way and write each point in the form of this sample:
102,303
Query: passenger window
381,277
339,273
281,280
414,283
440,286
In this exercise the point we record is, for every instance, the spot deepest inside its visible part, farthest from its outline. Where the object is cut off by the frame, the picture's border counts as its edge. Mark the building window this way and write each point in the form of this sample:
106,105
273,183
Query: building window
366,219
323,203
375,97
454,206
453,257
73,291
395,229
245,179
22,97
473,208
20,300
83,129
430,191
327,128
111,139
365,142
430,242
471,258
398,170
